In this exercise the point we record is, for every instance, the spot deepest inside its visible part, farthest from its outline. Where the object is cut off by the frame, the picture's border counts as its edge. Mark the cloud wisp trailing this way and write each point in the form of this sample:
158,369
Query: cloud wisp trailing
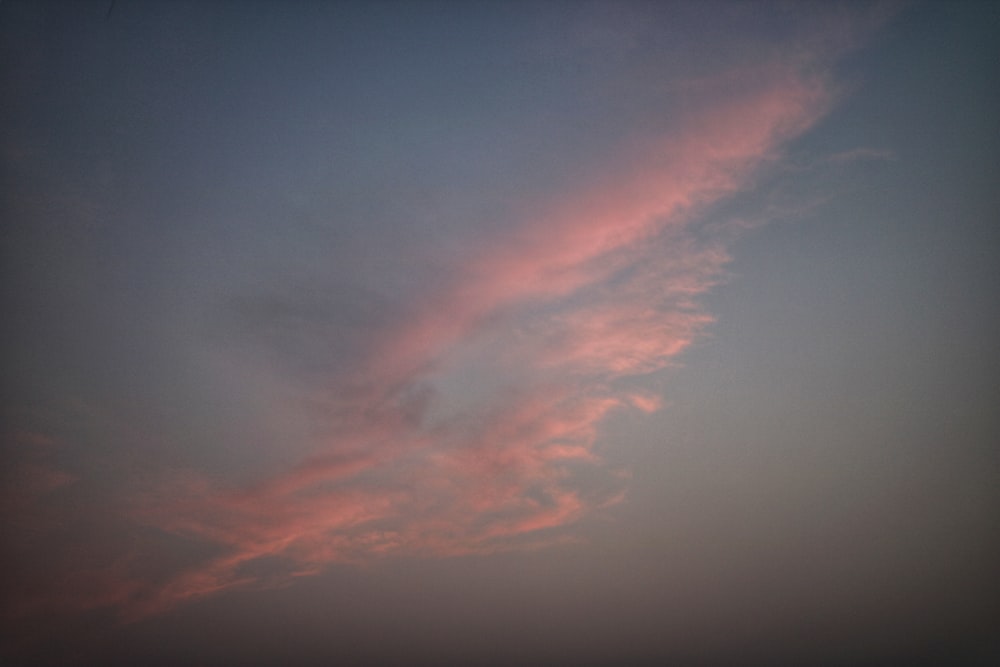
468,420
462,428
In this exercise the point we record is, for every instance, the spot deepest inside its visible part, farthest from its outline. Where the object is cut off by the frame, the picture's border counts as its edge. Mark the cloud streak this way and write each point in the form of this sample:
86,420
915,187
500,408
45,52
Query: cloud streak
470,423
462,427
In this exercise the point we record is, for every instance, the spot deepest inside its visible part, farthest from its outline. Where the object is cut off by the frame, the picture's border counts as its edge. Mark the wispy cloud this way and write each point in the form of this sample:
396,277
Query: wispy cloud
469,422
461,428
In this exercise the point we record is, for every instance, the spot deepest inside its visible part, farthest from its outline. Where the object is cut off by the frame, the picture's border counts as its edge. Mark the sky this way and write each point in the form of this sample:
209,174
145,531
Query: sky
504,333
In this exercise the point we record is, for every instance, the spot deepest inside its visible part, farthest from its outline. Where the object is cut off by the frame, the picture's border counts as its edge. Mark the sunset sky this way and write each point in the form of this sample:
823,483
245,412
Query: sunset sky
506,333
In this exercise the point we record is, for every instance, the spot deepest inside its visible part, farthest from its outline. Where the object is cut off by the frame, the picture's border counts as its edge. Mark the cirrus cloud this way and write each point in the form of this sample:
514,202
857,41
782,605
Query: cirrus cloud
461,429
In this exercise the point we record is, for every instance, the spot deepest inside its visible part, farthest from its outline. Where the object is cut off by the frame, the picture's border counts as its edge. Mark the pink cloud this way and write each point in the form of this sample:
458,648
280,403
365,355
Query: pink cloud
569,243
593,286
